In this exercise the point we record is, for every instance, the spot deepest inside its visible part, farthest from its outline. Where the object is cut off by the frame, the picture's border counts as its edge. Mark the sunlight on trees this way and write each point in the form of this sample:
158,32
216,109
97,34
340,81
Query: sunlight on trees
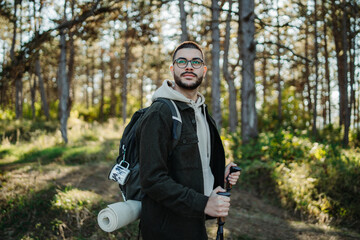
135,41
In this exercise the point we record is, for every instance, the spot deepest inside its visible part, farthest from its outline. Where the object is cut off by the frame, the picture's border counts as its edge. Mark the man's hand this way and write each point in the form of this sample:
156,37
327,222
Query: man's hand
217,206
233,178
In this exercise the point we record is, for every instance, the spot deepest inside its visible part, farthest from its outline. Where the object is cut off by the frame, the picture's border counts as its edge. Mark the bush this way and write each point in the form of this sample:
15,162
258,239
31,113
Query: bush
320,181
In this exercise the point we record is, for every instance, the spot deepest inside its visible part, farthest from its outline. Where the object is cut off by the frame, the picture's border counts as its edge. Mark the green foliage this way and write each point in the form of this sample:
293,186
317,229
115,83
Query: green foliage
92,114
86,114
74,200
24,130
318,180
355,138
293,115
7,114
27,111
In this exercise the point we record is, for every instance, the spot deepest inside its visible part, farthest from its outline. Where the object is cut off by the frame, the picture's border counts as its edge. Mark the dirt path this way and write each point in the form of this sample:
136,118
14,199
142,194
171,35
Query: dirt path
253,218
250,216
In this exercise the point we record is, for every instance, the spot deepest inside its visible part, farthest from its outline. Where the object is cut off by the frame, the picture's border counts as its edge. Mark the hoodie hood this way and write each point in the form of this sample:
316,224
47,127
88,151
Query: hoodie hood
167,91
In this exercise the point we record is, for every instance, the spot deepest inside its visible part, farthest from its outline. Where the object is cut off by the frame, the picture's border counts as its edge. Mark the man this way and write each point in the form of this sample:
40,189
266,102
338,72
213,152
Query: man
179,182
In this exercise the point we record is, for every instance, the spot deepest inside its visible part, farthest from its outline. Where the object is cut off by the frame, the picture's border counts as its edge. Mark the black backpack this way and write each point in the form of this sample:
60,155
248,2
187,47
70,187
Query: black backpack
126,170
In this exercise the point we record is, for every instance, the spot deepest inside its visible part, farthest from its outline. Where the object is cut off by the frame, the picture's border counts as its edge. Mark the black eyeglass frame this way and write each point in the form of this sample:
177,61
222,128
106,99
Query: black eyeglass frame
187,62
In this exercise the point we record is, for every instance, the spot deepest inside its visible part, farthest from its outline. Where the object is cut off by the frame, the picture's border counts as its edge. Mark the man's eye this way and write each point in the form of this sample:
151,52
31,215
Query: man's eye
181,61
196,62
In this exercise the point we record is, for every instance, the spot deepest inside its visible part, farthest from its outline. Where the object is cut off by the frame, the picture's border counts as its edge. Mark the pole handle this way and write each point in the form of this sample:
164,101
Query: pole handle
225,194
232,170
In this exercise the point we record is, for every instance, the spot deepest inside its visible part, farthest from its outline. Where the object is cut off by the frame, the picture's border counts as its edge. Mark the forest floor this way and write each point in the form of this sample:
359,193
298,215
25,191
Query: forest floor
250,217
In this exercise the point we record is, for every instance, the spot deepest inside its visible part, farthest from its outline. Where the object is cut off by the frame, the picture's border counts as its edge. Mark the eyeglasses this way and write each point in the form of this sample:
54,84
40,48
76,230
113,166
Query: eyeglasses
183,62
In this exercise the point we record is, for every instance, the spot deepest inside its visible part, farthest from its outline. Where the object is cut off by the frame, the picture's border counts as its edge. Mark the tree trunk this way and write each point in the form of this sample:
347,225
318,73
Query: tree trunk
323,101
142,78
112,65
340,56
3,82
87,85
18,80
215,68
33,94
249,127
71,63
344,41
184,34
18,97
279,88
352,45
158,70
64,87
307,68
326,56
357,106
42,89
92,78
239,30
13,42
314,129
233,119
264,75
125,79
101,112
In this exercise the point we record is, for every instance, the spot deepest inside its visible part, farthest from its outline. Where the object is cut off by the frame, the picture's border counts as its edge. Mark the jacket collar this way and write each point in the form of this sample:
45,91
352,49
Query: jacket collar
182,106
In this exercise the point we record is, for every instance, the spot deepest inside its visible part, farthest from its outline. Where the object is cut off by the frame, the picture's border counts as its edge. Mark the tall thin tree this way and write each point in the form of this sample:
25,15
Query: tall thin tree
249,128
326,56
233,118
215,68
63,83
314,128
344,41
17,76
184,33
307,66
112,66
279,87
71,60
102,85
126,65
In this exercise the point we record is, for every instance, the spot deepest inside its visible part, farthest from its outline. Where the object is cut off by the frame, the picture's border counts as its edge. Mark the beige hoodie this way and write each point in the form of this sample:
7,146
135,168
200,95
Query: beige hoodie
203,133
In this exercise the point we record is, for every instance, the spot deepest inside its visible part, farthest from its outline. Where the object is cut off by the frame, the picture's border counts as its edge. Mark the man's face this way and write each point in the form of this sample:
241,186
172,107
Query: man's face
189,77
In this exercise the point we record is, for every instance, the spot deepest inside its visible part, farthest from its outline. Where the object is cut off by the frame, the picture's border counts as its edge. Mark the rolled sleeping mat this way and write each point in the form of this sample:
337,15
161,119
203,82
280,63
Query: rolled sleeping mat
119,214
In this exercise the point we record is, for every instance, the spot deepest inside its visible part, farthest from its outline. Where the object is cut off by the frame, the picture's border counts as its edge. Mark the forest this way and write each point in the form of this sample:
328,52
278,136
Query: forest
283,86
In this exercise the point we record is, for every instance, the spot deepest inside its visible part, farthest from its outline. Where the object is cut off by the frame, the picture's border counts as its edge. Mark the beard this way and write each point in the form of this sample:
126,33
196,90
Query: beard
185,85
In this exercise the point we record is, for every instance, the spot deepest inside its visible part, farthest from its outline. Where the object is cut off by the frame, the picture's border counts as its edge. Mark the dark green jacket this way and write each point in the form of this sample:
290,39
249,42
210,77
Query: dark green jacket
172,179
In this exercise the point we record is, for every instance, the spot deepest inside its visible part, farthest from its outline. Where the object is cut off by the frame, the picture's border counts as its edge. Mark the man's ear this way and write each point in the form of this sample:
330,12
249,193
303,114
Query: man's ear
205,70
171,69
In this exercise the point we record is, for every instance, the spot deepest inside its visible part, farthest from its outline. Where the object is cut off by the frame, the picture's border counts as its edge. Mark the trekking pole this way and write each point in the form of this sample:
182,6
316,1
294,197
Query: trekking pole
221,220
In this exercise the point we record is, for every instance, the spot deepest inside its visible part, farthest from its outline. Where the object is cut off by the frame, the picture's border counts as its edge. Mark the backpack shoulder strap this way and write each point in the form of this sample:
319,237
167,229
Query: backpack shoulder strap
176,117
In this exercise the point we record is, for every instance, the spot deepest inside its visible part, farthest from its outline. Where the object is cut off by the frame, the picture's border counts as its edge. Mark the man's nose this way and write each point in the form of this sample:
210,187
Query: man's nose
189,67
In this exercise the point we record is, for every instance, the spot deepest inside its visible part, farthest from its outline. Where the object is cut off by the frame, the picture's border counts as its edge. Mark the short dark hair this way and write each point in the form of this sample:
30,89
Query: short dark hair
188,44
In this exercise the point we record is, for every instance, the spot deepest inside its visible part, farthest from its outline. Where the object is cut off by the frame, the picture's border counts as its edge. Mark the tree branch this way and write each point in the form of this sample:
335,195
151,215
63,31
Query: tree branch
287,48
